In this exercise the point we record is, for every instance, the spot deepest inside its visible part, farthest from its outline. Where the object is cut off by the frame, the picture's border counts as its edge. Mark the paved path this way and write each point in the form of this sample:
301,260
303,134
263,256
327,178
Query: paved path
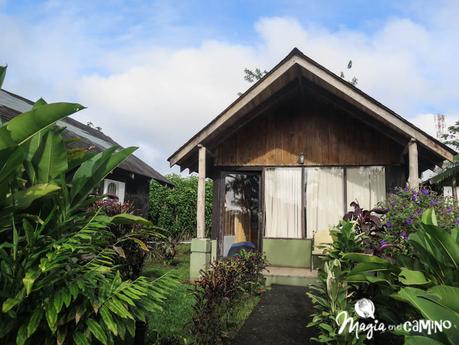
280,318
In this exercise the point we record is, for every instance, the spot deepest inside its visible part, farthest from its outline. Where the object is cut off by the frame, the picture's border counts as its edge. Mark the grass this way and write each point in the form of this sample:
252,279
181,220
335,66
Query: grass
240,313
171,326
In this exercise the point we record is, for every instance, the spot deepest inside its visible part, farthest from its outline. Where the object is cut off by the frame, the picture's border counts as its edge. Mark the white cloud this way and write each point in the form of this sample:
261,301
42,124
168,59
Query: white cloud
157,97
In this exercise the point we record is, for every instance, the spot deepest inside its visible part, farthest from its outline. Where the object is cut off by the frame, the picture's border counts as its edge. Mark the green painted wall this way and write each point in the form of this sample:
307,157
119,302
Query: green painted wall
288,253
201,256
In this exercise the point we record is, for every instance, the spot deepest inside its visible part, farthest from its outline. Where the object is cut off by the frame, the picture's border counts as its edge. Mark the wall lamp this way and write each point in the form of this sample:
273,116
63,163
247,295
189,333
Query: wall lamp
301,158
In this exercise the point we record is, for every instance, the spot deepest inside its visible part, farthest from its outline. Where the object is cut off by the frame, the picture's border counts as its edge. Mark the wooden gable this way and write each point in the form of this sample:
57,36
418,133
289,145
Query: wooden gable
324,133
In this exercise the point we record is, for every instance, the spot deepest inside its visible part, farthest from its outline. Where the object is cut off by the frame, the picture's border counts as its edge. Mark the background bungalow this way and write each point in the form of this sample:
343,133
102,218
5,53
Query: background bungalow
128,182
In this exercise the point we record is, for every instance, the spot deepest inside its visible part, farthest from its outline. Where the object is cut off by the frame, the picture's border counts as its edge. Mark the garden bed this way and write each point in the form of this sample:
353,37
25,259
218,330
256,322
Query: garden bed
173,324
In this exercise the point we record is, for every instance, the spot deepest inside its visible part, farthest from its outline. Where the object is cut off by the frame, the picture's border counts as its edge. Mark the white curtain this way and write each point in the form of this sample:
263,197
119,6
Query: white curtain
366,185
324,201
283,189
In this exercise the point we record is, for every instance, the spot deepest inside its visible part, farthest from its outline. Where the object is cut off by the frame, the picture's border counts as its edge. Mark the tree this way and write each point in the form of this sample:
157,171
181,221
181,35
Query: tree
2,74
450,170
255,75
354,80
452,137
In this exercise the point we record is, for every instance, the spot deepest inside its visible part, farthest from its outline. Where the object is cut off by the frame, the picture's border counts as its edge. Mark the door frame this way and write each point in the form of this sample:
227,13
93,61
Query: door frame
221,204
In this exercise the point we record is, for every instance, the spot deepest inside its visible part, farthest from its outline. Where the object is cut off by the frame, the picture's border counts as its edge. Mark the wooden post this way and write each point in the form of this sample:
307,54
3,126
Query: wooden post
413,179
453,186
201,205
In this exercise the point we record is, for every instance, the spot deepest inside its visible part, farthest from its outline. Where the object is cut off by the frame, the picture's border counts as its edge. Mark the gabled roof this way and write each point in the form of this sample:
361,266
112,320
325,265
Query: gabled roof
293,66
88,137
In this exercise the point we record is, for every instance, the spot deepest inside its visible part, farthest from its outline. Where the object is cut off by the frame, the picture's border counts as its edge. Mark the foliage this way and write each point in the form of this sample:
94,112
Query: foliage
450,169
368,223
424,283
333,293
130,241
354,80
255,75
2,74
405,208
58,277
345,239
175,209
427,279
172,324
330,297
219,289
452,137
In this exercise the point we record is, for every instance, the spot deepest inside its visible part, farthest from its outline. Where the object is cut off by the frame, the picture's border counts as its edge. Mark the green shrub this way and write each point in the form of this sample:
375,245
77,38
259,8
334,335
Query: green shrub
218,291
333,294
58,279
174,209
422,284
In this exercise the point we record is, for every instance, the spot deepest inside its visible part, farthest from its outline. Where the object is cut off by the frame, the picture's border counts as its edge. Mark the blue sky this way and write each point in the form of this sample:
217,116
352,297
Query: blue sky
153,72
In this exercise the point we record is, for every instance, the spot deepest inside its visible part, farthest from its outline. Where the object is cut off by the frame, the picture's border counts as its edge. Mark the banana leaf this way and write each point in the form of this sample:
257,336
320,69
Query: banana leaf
93,171
21,128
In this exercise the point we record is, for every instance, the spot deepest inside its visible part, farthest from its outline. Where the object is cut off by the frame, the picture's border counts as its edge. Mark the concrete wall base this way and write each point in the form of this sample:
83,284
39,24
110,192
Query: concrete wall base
203,251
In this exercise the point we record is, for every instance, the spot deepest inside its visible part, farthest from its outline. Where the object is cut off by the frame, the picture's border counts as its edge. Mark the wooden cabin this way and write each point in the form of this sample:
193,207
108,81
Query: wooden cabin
291,153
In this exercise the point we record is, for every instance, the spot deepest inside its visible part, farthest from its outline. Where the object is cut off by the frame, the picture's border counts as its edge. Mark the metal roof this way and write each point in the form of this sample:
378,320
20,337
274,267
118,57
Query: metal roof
88,137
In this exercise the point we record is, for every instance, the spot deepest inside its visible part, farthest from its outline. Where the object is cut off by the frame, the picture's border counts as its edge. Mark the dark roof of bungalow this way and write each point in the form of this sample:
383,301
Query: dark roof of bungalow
87,136
297,67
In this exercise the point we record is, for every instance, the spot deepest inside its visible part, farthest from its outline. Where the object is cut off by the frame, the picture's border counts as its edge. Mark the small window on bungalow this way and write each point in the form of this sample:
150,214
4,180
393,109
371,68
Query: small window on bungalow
115,188
111,189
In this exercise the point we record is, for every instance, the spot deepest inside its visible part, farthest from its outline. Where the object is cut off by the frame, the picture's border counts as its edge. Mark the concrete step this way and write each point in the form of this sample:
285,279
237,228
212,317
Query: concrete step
292,276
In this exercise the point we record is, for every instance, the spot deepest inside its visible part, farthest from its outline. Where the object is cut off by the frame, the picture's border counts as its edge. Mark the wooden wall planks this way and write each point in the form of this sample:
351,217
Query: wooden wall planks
325,134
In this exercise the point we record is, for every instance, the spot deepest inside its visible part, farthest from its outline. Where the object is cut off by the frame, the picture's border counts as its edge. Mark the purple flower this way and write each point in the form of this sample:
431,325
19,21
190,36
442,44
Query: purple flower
404,235
449,209
433,202
457,221
406,189
384,245
424,191
389,224
409,221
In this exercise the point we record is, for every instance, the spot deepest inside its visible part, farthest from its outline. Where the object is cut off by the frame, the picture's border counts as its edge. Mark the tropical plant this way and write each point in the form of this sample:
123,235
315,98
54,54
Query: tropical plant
427,280
130,240
368,223
345,239
218,290
58,277
174,209
330,296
